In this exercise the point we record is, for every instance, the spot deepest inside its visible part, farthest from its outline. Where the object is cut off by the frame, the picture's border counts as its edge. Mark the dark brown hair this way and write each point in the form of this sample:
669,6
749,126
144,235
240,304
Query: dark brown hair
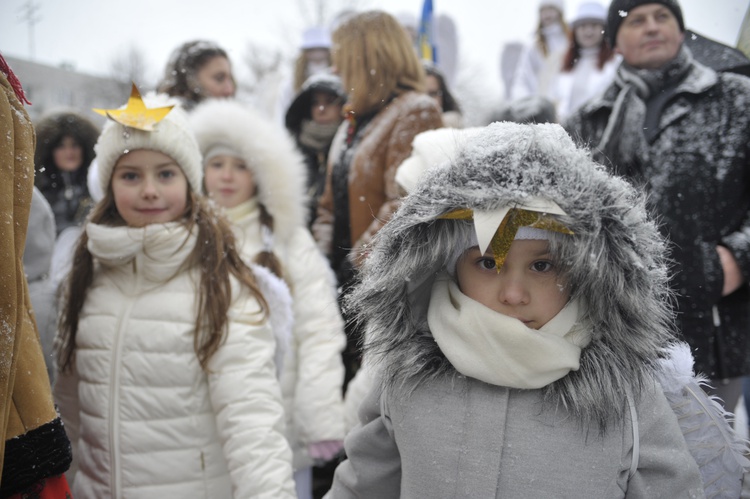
215,255
574,53
50,132
449,103
180,75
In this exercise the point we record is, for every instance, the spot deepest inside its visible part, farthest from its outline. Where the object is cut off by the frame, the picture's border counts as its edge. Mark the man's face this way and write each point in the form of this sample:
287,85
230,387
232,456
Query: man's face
649,37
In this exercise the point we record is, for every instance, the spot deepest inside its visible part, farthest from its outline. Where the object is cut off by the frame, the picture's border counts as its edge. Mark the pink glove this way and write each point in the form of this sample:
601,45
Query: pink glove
325,450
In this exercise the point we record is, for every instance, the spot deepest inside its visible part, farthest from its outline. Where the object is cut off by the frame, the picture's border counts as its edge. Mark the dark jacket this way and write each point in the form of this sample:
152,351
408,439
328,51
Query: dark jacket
66,192
695,171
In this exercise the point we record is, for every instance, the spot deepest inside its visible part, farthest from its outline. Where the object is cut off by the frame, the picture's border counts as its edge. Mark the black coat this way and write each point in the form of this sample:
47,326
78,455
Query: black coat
695,171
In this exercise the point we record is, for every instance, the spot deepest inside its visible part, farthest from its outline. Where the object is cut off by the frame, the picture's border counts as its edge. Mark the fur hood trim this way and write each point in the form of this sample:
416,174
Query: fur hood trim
614,262
269,152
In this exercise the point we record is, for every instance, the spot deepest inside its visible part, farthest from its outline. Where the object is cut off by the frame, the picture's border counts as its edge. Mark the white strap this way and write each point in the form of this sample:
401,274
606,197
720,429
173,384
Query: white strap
636,434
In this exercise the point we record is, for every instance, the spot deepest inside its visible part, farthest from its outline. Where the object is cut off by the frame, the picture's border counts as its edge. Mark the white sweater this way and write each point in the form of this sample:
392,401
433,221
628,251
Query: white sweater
147,420
572,89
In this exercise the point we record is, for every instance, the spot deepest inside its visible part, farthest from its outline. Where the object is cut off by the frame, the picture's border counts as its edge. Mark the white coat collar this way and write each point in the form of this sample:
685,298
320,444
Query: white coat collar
159,249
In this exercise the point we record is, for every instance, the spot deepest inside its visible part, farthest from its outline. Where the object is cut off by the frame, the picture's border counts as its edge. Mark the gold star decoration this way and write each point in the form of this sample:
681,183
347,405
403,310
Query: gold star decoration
136,114
504,233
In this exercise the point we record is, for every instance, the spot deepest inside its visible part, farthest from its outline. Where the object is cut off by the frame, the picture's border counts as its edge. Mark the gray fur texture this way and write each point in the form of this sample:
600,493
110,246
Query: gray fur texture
615,264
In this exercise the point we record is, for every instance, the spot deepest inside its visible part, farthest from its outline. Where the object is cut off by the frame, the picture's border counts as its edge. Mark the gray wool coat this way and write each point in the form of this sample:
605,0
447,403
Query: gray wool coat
460,437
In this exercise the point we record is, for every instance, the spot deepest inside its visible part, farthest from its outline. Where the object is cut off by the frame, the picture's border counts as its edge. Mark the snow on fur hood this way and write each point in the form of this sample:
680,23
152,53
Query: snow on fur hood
269,152
617,259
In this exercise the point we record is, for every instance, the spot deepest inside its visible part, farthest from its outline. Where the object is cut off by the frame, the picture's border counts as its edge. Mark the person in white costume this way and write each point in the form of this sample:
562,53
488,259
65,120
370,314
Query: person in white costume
254,171
167,385
588,66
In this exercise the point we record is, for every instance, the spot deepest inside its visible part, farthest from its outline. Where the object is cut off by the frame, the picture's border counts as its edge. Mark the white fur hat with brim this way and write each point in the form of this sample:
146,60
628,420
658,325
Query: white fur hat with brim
171,136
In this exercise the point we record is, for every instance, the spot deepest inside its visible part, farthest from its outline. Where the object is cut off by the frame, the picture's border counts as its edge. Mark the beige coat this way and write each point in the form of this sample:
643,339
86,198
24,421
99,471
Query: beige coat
24,385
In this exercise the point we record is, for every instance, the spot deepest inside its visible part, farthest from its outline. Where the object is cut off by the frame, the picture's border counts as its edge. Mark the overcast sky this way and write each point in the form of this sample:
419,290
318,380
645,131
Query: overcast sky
88,34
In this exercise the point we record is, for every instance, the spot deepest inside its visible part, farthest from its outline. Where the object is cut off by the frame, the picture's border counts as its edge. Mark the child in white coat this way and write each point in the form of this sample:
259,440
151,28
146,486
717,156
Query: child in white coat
167,382
517,330
254,171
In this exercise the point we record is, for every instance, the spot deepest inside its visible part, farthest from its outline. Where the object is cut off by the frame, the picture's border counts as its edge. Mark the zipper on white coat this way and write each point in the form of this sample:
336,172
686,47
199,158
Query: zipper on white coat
114,391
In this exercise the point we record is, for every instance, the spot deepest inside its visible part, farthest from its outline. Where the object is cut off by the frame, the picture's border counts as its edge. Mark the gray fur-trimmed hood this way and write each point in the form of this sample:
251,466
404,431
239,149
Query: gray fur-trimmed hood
616,263
270,153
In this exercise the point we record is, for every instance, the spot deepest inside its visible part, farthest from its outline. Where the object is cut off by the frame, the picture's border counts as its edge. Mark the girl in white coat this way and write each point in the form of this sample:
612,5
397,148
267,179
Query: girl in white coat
167,385
253,170
589,64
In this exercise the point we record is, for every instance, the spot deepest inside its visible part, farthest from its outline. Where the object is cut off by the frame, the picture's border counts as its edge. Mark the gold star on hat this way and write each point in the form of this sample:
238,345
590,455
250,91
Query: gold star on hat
136,114
497,228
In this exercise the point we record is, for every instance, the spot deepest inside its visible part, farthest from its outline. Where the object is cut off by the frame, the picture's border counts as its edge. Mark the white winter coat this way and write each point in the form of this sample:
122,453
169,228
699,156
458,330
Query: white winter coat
571,89
313,371
148,421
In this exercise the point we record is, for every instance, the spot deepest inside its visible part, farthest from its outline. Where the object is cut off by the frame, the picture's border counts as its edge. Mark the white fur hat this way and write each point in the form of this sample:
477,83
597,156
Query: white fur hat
430,149
268,151
171,136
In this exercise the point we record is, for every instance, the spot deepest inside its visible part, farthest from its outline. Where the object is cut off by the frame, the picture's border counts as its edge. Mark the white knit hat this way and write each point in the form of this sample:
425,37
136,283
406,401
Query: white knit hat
590,11
315,38
171,136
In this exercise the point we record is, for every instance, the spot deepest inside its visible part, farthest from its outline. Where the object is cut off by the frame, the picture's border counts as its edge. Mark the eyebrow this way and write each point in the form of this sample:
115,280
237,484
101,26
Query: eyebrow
158,167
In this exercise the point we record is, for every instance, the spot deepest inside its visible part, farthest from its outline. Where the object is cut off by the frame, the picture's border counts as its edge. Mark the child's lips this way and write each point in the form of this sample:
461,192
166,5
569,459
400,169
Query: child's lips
151,211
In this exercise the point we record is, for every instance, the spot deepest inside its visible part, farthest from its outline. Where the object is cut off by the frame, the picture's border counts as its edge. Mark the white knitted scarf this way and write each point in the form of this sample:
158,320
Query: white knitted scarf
500,350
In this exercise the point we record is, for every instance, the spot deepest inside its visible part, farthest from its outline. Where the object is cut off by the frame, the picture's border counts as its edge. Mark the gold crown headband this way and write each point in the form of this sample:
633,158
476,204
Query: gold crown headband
136,114
497,229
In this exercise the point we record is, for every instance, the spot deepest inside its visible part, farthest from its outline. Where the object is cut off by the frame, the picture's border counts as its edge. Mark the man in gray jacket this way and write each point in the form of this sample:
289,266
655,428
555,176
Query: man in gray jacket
682,131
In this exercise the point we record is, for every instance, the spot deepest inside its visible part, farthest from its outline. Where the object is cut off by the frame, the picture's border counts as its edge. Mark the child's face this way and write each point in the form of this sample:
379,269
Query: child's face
229,181
68,156
325,108
149,187
528,286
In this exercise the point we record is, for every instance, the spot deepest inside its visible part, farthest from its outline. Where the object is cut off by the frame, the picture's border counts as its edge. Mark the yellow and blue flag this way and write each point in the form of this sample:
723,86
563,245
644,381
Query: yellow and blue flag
427,48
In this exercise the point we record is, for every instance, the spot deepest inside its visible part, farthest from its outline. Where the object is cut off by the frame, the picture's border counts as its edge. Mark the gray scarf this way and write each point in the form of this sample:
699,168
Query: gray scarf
317,136
643,94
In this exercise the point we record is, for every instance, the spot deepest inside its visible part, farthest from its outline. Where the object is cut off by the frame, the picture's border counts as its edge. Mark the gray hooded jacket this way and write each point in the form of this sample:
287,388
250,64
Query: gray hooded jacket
428,431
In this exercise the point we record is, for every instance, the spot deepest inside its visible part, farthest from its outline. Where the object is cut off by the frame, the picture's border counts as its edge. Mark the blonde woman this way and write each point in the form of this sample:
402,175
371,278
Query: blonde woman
386,108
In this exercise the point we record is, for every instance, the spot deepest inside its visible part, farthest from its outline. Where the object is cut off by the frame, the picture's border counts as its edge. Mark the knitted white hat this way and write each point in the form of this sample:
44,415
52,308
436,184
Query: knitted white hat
590,11
171,136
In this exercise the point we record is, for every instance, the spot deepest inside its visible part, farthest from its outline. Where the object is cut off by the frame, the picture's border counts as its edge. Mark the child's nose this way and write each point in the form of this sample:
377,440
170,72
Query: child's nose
149,188
512,290
226,173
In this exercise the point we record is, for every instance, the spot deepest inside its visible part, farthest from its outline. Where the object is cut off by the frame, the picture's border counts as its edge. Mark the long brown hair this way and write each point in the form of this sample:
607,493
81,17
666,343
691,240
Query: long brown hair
266,257
574,53
215,254
376,60
541,41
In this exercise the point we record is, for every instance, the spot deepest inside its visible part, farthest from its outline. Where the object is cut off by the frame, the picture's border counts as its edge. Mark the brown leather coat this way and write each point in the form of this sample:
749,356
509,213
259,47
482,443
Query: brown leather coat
373,192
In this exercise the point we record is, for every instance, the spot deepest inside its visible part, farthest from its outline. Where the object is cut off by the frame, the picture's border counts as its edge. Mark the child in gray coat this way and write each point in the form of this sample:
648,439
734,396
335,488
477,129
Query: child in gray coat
516,313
